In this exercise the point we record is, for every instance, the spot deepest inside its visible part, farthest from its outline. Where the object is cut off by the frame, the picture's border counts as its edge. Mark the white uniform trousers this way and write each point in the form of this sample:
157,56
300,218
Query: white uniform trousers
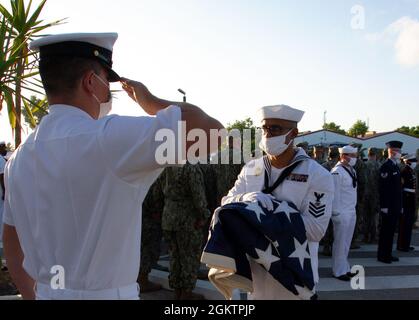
45,292
343,231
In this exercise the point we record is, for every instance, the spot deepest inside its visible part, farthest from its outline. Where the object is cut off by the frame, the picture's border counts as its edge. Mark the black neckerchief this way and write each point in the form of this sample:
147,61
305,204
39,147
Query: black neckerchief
287,171
354,178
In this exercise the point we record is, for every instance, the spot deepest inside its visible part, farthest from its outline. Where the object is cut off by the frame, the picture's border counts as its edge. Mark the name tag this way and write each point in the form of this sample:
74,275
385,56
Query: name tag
297,177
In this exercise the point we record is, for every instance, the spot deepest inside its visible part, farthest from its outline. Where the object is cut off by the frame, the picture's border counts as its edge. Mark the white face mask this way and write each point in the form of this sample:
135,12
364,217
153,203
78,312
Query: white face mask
352,161
105,107
413,165
275,146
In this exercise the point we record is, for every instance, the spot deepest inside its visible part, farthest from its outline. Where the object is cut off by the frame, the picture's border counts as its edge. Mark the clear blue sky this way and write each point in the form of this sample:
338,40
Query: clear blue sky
232,57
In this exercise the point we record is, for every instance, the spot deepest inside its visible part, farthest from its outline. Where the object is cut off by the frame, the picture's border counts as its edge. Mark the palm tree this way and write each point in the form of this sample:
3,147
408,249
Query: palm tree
18,71
35,110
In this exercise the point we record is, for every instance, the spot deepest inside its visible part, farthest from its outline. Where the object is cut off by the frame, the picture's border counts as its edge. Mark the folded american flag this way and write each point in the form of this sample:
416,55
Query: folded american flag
274,239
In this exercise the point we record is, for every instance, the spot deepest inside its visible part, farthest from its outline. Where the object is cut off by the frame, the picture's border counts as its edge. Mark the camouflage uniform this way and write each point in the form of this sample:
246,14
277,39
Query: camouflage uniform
360,169
371,201
319,154
384,157
151,234
210,185
330,164
185,208
226,174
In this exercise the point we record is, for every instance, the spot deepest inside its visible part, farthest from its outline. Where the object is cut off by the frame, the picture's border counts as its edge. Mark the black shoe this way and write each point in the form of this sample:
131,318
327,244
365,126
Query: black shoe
355,246
411,248
344,277
394,259
403,250
352,274
388,261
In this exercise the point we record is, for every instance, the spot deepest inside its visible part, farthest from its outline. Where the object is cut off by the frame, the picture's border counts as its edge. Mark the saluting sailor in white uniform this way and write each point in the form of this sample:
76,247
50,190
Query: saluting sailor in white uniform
343,211
309,187
74,189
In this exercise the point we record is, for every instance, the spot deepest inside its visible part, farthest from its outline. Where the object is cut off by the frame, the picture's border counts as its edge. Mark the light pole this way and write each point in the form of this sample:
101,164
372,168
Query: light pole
184,94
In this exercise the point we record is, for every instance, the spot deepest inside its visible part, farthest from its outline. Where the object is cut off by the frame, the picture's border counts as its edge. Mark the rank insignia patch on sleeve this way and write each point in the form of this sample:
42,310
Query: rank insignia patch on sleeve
317,208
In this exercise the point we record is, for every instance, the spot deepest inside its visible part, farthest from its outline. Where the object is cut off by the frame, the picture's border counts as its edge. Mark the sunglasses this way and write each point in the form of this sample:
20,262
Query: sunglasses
274,130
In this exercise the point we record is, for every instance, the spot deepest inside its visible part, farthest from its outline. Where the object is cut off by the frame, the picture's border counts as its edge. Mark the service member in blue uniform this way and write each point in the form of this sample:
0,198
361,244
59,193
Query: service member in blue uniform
407,218
390,188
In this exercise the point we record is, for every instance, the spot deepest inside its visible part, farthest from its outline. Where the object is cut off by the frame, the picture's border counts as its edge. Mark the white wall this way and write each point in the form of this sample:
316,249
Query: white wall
326,137
410,144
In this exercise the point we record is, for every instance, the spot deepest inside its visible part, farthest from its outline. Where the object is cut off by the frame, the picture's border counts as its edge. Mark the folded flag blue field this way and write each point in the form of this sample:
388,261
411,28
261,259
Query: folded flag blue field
241,232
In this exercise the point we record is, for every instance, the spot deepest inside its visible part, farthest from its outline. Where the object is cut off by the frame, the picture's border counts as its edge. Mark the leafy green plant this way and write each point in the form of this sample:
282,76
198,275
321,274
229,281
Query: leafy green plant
18,69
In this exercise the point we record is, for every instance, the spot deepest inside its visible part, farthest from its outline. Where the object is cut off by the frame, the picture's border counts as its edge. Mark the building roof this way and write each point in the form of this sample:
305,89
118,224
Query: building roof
360,138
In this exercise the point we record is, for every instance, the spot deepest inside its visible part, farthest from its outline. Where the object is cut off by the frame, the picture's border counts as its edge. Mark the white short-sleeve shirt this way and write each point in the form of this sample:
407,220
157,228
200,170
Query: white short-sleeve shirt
2,165
74,192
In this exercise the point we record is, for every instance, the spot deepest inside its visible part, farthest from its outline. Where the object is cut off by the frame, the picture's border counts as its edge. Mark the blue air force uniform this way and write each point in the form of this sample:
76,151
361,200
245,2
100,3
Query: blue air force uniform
390,188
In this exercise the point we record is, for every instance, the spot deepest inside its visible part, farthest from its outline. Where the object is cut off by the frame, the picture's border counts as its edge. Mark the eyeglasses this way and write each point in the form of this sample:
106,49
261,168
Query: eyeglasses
274,130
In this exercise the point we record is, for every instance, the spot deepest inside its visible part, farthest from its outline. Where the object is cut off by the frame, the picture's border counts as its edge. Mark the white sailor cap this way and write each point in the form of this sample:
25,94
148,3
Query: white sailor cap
282,112
348,150
97,46
409,157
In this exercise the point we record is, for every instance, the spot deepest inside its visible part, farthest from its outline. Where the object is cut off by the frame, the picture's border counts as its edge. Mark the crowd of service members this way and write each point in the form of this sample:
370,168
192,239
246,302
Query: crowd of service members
358,215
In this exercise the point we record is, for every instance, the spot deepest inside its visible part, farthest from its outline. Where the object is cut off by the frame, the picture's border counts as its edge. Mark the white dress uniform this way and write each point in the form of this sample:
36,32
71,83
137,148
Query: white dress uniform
310,188
343,217
74,192
2,165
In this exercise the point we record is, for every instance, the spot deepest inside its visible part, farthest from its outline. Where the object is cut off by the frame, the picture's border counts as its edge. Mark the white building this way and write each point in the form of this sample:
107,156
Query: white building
327,138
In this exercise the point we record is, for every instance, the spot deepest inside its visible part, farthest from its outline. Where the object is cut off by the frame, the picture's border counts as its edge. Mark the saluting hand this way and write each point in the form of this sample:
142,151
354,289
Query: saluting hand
135,90
140,94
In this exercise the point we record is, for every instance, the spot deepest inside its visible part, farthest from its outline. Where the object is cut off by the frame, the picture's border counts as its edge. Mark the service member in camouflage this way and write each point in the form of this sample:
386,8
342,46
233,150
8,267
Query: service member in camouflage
372,197
332,160
227,166
184,215
360,169
210,185
151,235
318,154
384,157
